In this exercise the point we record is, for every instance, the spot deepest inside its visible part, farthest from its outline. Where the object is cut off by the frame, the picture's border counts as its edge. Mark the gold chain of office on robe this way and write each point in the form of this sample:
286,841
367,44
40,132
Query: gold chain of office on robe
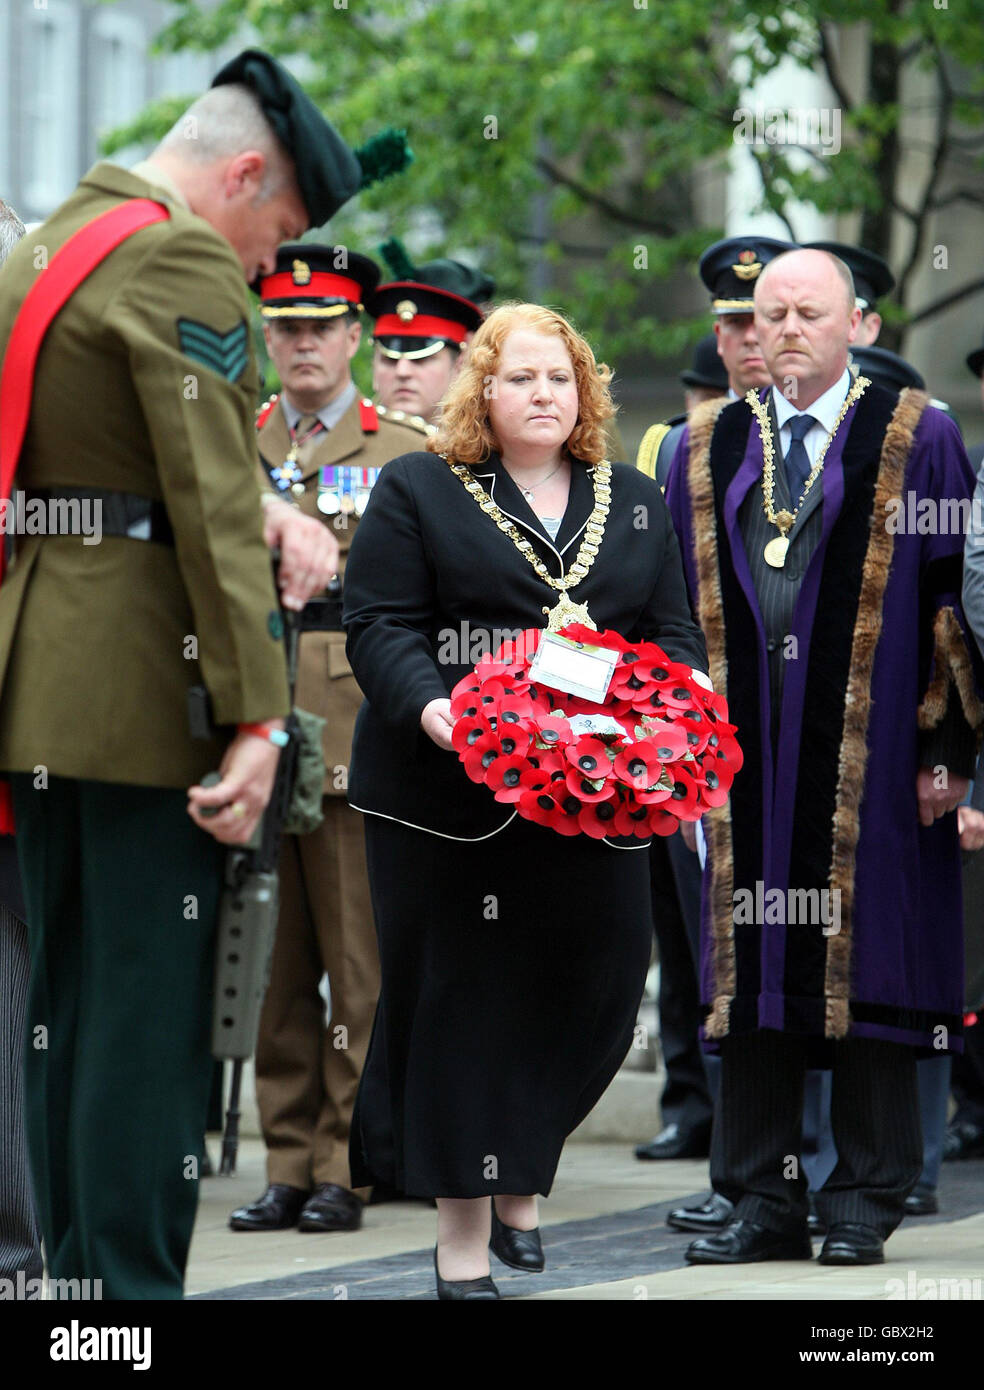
785,519
594,532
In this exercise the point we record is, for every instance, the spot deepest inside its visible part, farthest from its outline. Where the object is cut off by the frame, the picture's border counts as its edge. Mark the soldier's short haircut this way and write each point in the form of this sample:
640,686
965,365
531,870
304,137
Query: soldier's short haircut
223,122
11,230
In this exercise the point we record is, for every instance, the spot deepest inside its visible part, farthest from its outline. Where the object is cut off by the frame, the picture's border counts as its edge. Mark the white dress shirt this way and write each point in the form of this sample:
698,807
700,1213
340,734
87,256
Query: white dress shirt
825,410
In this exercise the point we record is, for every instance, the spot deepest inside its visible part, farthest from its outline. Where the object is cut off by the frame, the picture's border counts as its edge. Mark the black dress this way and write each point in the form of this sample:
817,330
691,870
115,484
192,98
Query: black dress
513,958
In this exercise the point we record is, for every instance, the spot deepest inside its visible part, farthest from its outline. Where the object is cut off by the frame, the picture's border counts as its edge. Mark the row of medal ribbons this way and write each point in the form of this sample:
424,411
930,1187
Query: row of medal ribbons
345,489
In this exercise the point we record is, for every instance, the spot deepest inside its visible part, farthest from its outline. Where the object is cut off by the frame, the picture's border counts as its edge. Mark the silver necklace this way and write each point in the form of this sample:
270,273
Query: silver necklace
529,491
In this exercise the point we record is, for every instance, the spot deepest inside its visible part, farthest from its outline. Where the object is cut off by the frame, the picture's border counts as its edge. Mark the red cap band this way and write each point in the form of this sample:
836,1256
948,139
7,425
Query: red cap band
420,326
322,285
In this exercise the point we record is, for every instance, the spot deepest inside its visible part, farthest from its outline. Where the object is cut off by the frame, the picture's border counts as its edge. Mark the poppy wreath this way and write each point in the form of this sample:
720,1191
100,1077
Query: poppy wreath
664,753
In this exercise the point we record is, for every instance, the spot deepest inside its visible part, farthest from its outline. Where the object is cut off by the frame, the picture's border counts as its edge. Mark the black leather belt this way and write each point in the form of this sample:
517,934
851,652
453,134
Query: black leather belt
121,513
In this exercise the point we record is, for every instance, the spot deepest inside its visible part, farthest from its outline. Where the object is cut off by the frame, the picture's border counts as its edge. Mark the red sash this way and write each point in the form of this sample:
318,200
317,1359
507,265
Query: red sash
70,265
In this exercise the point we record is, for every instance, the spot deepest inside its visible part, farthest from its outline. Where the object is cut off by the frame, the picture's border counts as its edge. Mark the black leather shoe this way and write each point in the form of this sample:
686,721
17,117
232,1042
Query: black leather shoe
519,1249
675,1142
746,1242
331,1208
712,1215
962,1139
464,1288
850,1244
921,1201
277,1210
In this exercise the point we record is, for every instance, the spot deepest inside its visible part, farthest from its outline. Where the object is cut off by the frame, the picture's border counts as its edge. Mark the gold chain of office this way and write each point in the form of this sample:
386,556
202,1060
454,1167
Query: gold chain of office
775,551
565,611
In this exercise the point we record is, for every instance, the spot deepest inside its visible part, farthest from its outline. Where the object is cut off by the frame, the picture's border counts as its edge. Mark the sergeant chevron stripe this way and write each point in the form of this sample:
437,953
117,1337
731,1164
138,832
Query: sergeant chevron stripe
225,353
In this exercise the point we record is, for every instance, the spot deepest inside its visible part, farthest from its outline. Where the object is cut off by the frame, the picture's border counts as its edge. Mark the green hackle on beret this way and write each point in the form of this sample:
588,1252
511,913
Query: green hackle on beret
394,253
383,155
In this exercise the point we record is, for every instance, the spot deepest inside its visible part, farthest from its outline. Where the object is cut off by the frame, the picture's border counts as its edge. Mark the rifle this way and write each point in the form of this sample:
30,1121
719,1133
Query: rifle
250,897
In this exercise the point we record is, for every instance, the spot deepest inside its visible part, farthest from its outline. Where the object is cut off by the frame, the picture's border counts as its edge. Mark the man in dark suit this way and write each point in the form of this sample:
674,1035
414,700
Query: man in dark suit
856,750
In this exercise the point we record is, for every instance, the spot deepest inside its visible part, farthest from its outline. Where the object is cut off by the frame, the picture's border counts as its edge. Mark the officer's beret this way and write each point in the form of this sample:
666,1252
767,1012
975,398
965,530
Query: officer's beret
328,171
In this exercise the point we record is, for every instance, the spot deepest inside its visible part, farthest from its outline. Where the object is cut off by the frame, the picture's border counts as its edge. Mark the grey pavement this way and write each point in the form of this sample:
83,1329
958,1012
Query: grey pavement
604,1236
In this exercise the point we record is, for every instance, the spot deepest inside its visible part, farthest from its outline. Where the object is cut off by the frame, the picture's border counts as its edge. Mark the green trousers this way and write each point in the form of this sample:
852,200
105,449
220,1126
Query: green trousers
122,893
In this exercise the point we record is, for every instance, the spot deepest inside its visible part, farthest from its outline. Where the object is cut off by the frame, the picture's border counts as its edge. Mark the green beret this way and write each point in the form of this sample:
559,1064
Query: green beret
328,171
454,276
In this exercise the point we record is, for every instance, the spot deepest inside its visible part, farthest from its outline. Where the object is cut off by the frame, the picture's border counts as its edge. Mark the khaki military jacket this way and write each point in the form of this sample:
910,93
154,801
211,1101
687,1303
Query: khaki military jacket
146,383
325,684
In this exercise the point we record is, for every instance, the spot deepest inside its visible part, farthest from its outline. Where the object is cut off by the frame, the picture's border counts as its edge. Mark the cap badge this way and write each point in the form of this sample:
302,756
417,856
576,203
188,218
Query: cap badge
748,268
406,310
301,273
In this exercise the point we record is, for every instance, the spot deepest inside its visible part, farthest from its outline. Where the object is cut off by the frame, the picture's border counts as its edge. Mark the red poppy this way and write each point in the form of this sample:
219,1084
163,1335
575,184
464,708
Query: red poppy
683,798
697,728
638,765
480,756
468,730
589,756
587,788
544,809
669,741
661,822
598,819
633,819
505,777
552,730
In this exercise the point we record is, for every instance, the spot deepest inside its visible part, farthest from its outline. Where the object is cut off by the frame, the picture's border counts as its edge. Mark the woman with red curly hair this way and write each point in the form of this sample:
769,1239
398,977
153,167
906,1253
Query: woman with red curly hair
513,958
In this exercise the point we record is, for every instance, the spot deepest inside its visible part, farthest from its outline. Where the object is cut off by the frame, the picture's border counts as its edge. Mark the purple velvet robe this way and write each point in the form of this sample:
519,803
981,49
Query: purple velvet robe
832,805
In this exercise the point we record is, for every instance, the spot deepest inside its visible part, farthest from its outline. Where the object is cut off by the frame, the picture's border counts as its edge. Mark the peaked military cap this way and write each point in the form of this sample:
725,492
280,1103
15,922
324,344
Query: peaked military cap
417,320
872,277
707,368
885,368
328,171
314,281
730,268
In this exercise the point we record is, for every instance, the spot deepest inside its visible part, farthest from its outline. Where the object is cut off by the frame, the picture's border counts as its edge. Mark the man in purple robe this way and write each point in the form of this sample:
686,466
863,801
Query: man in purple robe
821,523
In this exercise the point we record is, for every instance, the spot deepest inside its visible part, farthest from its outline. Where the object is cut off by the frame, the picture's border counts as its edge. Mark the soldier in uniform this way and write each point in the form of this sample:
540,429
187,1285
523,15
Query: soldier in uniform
424,318
148,370
323,445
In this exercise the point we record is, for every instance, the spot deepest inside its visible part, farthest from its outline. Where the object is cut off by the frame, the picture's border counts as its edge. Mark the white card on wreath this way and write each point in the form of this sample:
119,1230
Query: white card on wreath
573,667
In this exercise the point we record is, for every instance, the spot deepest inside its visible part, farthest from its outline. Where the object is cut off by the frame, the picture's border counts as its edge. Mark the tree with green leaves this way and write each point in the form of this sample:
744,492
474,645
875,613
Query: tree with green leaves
565,146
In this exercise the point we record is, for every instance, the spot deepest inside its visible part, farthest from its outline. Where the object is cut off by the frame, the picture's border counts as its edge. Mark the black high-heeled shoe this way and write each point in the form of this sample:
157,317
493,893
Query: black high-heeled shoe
519,1249
482,1288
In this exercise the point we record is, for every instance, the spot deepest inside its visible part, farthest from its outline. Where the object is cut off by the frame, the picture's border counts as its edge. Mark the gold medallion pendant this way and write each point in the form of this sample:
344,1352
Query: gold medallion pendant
565,611
775,551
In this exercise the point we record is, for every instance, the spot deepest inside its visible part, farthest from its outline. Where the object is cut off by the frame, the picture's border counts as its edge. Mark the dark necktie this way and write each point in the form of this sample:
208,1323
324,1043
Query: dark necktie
798,466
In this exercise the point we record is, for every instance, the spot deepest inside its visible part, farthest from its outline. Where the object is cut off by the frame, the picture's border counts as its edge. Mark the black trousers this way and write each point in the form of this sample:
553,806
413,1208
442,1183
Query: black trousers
968,1077
755,1159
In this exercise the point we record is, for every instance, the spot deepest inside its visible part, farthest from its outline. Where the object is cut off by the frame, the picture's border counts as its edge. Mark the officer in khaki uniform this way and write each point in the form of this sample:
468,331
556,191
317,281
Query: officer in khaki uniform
148,371
323,445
